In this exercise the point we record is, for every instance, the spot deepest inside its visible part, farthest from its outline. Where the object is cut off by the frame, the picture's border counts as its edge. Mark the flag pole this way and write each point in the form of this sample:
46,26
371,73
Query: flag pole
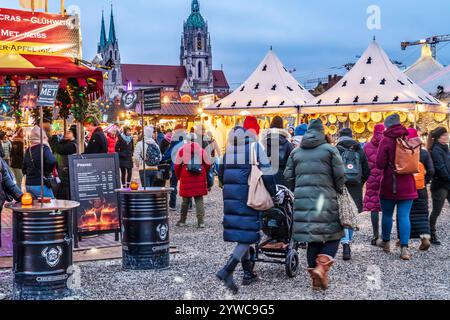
46,6
32,5
62,7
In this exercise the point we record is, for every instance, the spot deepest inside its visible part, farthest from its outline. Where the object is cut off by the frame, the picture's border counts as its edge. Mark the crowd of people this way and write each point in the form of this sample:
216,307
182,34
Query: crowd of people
304,159
317,168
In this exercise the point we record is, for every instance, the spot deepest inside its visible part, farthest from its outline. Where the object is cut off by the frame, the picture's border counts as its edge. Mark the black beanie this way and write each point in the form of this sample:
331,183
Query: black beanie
346,132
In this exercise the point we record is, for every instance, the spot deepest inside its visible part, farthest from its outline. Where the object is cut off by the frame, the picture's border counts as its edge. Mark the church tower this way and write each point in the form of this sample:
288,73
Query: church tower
196,55
109,50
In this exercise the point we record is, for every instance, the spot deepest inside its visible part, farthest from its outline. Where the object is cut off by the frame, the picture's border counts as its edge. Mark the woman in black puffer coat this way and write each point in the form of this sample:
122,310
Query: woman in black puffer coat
440,187
125,149
278,148
242,224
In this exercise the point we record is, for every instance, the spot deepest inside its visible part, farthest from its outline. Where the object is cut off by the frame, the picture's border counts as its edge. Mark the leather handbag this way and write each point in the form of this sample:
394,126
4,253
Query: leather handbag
348,211
258,197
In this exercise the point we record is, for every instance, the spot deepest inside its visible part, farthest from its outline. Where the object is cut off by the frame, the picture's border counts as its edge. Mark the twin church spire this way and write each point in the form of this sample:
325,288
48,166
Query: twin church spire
112,38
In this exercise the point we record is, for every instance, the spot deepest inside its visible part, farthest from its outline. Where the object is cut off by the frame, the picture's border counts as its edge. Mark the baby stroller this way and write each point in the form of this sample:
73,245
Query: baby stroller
279,248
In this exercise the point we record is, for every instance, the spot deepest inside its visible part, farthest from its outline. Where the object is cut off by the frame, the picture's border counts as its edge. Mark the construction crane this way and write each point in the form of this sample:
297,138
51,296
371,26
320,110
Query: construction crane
432,41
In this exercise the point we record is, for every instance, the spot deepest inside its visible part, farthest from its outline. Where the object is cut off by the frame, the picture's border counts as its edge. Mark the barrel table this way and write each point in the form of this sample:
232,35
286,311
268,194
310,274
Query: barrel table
145,228
42,249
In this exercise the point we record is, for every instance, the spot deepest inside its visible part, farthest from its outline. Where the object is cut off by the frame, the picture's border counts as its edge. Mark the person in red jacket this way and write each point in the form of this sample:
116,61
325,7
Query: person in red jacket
191,167
372,196
111,136
396,190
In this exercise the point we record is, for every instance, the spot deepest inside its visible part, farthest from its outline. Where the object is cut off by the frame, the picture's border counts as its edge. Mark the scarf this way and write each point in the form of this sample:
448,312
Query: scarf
126,138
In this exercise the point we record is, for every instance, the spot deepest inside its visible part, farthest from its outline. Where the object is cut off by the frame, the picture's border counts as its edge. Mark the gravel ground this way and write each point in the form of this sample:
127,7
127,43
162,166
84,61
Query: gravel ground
371,274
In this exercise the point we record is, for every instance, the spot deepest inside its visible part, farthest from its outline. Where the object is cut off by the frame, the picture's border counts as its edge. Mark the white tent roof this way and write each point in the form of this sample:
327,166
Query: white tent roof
424,67
270,89
440,78
373,84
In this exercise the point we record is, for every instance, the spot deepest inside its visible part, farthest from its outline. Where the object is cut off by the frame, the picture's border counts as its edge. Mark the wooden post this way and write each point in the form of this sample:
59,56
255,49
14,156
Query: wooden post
32,5
46,6
63,11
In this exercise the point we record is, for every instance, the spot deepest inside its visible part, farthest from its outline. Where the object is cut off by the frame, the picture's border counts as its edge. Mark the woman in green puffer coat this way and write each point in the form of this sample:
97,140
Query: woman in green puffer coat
315,172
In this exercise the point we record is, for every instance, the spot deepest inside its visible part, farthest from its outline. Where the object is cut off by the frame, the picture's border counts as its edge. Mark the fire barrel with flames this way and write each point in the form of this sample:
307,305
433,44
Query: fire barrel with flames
42,250
145,228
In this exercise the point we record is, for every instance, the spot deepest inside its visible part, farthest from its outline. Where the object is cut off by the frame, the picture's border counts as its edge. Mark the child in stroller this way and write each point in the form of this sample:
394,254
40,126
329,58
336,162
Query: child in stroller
278,247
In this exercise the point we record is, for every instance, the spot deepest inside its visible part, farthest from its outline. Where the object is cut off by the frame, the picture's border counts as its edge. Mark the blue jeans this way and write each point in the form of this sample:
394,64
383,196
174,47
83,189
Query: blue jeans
149,177
36,192
404,223
347,239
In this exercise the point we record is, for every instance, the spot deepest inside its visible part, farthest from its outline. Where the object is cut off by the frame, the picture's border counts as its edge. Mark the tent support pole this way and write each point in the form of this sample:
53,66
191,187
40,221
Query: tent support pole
415,116
41,125
144,183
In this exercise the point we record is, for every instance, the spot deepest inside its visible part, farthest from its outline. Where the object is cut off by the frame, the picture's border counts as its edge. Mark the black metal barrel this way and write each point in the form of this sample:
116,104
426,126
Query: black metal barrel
145,228
42,251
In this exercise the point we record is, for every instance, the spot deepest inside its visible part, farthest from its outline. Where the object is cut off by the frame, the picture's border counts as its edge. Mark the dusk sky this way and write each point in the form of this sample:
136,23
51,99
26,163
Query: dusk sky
314,37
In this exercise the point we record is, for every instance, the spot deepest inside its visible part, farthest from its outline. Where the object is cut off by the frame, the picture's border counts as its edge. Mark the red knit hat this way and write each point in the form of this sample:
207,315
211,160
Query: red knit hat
250,122
412,133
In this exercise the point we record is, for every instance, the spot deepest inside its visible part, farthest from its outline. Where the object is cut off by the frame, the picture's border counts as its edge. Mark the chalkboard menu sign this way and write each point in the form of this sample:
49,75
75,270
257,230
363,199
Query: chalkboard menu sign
93,179
152,99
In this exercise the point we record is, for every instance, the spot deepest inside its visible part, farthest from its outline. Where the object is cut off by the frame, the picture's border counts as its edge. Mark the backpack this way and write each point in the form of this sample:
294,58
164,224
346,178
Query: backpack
407,156
352,165
194,166
420,177
152,155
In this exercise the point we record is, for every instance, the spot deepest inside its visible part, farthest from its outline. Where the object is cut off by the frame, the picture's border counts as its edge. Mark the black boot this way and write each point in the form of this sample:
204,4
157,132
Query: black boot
434,239
347,252
226,275
249,275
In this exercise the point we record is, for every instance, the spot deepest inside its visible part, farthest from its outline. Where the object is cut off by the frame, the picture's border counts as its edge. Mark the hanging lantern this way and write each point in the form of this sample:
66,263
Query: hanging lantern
365,117
376,117
359,127
354,117
332,119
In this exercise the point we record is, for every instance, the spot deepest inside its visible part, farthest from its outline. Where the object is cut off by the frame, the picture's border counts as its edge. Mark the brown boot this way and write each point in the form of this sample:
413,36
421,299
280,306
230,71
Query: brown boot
425,242
324,264
315,280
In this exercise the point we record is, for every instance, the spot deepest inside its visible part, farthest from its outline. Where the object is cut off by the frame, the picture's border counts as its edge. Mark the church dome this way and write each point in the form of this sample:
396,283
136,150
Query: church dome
195,20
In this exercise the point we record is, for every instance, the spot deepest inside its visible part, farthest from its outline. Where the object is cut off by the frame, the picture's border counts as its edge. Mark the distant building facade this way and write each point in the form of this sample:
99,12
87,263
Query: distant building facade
194,75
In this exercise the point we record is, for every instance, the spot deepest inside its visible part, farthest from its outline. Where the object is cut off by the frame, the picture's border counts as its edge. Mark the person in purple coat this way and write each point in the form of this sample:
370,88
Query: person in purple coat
396,190
372,196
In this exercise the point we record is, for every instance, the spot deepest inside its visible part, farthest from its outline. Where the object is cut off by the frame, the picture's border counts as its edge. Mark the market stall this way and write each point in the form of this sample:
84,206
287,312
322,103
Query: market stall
424,67
270,90
372,90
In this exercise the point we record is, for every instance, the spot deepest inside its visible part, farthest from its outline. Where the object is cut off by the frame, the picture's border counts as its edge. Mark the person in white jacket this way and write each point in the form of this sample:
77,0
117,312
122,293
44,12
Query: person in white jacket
140,153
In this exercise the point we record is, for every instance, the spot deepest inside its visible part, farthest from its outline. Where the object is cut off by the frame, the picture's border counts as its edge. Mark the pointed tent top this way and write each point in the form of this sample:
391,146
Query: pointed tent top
424,67
103,39
112,28
373,84
270,89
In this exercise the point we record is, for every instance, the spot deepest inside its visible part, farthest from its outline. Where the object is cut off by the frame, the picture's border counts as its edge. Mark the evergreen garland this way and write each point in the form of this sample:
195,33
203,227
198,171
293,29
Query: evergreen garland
64,102
79,101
